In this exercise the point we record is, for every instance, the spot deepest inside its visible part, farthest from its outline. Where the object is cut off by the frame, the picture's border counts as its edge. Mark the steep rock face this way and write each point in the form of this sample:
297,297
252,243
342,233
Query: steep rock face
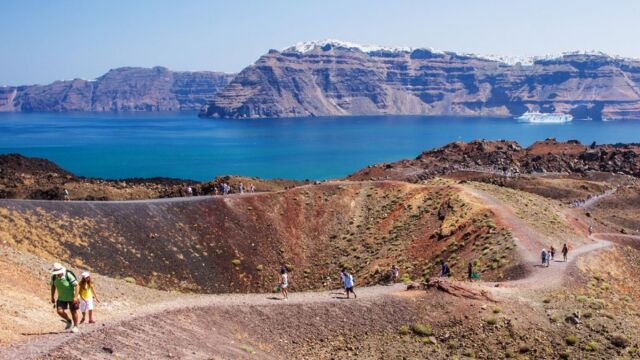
122,89
329,79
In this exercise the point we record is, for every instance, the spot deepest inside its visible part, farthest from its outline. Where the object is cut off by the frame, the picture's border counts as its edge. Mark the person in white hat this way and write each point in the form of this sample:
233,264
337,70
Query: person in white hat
65,283
87,294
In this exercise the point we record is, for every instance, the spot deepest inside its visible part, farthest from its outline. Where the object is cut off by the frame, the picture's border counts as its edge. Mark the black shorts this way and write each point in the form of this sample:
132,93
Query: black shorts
67,304
349,289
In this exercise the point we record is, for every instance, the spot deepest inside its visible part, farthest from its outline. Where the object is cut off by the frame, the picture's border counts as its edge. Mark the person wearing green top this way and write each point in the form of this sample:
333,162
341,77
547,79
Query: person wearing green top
66,284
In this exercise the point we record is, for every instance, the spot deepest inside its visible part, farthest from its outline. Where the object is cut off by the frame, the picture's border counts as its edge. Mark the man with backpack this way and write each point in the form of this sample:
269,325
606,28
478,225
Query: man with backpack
65,283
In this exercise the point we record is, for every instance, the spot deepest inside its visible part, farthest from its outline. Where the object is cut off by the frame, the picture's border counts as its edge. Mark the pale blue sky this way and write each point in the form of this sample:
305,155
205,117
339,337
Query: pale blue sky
41,41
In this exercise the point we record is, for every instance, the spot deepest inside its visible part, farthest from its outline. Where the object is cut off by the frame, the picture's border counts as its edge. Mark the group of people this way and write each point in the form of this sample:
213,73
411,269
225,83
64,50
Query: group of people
72,295
547,255
225,189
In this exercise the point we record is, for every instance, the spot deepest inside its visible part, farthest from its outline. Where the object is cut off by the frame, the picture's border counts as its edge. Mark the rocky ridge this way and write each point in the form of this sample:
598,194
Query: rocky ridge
332,78
509,158
121,89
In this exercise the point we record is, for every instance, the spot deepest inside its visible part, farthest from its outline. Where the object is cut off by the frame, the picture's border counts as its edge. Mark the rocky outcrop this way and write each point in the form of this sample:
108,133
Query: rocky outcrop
335,78
122,89
509,158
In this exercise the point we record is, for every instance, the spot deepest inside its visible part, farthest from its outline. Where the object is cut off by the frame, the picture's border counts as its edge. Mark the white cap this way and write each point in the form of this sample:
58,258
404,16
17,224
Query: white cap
58,269
85,274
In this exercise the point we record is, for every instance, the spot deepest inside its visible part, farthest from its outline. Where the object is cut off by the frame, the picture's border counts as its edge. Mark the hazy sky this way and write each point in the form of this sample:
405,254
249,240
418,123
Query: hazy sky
41,41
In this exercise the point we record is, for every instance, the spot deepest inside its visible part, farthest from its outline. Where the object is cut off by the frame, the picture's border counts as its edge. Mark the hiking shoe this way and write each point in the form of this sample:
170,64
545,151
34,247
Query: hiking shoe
92,322
69,324
74,329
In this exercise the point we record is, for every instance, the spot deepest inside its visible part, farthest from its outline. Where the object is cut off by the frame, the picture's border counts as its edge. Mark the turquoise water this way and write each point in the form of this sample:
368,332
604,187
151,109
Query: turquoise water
183,146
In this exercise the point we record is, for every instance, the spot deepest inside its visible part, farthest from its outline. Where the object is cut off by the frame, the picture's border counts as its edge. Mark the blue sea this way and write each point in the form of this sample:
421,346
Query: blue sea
181,145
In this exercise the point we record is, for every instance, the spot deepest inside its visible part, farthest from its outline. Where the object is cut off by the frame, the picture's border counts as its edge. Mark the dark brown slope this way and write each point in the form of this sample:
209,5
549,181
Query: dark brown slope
121,89
333,80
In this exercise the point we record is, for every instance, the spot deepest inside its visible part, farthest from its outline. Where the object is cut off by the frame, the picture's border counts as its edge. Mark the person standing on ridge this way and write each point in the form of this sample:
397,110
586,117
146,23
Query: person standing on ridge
470,271
284,282
565,251
66,284
395,273
543,256
348,283
241,188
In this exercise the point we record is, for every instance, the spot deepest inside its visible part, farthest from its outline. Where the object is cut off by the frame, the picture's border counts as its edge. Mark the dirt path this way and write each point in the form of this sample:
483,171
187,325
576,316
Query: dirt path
529,245
43,344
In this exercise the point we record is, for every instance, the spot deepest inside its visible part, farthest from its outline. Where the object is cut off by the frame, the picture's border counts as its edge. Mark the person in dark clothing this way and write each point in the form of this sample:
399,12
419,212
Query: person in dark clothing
552,251
565,251
470,271
446,272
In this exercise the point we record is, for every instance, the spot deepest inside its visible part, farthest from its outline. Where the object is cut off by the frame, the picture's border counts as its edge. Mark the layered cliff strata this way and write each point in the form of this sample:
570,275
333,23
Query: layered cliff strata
122,89
333,78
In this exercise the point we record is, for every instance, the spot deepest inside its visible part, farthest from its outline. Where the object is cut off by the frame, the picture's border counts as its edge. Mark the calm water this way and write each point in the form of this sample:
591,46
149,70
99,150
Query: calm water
184,146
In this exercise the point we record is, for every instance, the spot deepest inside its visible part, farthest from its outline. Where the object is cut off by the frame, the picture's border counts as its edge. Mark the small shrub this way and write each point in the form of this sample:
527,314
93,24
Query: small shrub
404,330
236,262
524,349
509,354
546,301
259,268
604,287
565,355
619,341
422,329
129,279
592,346
491,321
248,349
581,298
497,310
306,271
571,340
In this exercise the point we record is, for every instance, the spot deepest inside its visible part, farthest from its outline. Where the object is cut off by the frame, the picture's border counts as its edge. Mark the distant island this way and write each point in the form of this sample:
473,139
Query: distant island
121,89
334,78
337,78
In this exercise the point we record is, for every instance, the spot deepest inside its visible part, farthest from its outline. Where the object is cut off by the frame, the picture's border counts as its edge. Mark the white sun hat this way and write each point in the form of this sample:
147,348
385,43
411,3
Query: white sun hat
58,269
85,275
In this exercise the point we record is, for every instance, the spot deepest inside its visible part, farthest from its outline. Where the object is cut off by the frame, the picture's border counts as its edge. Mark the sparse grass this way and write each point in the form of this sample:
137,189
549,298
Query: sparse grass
129,279
571,340
248,349
404,330
592,346
422,329
491,321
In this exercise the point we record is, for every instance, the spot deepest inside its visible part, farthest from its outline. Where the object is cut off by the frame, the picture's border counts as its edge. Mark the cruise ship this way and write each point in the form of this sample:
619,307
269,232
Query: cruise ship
545,118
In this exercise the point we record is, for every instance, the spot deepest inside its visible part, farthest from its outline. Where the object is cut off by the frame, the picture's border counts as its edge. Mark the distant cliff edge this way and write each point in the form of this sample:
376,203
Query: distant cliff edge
121,89
333,78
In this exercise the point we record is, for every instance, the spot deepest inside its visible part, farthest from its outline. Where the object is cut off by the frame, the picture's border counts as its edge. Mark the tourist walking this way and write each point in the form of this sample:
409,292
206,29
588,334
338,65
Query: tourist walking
66,195
470,271
189,191
565,251
543,257
241,188
395,273
348,283
64,282
284,282
252,188
552,251
87,295
445,271
590,230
